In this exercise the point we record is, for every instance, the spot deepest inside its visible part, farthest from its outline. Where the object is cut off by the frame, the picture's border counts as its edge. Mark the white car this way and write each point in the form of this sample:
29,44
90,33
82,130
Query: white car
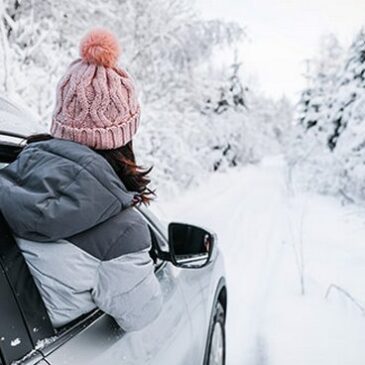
189,331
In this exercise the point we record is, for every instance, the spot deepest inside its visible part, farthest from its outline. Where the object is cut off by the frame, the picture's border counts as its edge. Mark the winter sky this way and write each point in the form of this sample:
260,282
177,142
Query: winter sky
283,33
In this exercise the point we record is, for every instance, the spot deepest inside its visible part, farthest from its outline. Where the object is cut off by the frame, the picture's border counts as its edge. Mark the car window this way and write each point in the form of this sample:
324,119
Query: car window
158,242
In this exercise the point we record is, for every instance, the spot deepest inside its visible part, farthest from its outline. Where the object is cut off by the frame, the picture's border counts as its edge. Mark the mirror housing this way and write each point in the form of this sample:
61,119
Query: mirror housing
190,246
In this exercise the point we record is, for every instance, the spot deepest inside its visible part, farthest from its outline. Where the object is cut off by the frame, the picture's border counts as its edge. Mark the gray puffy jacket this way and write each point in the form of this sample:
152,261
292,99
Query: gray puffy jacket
84,244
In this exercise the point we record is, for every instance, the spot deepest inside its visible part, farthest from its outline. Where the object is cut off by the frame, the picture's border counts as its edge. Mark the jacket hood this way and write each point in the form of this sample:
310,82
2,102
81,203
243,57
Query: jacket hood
58,188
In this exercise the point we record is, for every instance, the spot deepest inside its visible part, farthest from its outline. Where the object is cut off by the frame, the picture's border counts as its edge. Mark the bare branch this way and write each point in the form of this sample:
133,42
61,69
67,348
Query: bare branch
347,295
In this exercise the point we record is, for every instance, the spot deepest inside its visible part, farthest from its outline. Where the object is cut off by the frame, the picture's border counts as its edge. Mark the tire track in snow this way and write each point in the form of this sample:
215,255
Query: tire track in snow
261,352
260,256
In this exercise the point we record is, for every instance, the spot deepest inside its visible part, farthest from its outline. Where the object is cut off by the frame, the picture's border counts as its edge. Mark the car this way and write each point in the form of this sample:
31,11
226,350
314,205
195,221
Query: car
188,264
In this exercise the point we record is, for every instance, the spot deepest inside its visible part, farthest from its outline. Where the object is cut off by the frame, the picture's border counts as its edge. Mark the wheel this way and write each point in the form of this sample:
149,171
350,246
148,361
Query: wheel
217,338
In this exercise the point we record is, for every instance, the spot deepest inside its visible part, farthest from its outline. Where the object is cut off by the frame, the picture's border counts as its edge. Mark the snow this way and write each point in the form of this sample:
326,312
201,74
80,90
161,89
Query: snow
15,342
45,342
198,114
295,260
271,237
39,346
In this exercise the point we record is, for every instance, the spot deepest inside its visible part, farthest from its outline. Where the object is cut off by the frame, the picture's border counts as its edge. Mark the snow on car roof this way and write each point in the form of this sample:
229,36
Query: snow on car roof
16,119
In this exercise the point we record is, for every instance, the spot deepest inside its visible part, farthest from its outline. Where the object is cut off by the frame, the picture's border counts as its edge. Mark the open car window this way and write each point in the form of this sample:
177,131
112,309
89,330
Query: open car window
34,318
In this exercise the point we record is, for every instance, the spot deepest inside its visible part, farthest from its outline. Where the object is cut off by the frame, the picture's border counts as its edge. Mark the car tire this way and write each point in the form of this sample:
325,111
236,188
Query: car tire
216,349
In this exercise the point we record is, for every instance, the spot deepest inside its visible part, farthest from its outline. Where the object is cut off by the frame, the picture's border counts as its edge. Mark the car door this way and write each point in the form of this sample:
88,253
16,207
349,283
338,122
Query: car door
100,341
23,317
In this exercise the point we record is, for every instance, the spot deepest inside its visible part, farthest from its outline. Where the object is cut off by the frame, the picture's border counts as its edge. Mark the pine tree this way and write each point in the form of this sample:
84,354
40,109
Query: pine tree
308,149
348,138
315,106
331,143
226,109
349,90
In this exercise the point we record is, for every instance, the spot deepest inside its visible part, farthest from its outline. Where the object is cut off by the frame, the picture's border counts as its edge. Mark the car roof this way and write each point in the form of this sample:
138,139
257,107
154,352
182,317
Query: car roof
16,118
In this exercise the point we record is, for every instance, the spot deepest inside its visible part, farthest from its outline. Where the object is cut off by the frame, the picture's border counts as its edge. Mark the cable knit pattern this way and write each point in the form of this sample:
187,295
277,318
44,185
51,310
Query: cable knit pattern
96,105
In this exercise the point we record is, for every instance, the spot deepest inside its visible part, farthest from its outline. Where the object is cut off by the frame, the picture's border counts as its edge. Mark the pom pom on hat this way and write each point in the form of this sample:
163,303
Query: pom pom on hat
100,47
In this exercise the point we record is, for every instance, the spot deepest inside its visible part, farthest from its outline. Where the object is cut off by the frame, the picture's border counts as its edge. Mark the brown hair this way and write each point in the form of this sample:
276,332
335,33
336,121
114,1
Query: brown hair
123,161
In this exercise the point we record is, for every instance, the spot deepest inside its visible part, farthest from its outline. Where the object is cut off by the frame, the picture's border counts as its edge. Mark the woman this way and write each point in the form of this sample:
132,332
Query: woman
69,197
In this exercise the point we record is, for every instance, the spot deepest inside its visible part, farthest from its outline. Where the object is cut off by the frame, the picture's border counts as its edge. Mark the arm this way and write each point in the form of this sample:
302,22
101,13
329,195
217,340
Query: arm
126,287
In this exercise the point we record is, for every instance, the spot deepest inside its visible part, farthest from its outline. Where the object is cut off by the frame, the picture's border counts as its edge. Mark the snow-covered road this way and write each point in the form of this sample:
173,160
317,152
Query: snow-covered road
266,233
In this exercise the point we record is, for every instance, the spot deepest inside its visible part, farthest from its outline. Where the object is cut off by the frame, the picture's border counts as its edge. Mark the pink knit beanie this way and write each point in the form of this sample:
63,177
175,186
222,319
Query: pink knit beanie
96,100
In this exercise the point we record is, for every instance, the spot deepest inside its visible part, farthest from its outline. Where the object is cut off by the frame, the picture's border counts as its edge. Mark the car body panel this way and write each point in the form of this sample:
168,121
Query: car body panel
208,279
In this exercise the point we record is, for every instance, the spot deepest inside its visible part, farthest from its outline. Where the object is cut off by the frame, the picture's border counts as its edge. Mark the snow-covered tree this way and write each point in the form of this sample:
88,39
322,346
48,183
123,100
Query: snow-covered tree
316,104
349,91
308,150
347,139
224,108
329,145
196,116
166,46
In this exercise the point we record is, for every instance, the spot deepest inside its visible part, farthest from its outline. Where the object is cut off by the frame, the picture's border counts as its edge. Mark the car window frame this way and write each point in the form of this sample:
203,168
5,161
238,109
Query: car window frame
161,239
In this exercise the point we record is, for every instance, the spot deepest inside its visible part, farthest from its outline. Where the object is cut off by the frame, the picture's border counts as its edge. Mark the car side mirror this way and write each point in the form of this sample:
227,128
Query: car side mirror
190,246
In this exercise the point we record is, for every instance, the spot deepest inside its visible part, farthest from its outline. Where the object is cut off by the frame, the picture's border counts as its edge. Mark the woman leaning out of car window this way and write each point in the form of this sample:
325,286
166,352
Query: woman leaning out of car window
69,196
